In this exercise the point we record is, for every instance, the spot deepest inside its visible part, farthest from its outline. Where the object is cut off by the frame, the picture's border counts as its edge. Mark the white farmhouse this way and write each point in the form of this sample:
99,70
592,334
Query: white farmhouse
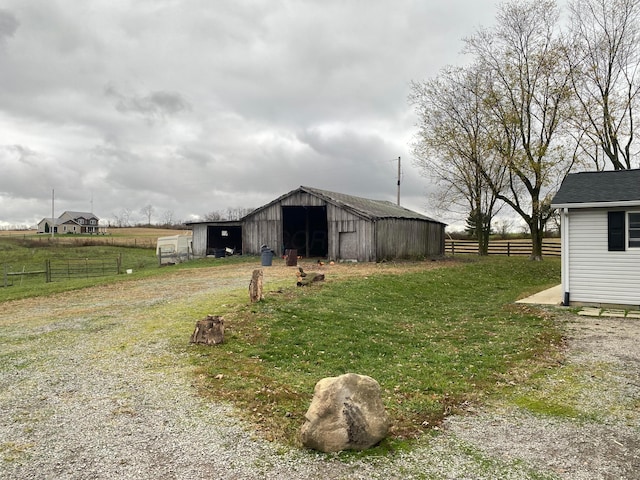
600,237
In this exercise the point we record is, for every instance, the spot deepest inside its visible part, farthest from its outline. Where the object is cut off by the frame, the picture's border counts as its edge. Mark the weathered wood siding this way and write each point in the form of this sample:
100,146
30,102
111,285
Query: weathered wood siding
597,275
263,228
406,238
199,240
355,233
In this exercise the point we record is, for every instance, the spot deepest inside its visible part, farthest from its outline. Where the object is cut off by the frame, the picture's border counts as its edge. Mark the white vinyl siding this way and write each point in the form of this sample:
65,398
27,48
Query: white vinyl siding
597,275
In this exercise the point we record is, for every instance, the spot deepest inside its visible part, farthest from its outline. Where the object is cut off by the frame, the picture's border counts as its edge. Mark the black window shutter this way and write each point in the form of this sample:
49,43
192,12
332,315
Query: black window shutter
616,231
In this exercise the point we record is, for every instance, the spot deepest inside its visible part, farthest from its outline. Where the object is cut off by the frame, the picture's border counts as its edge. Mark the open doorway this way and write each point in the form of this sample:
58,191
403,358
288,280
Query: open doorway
305,229
224,237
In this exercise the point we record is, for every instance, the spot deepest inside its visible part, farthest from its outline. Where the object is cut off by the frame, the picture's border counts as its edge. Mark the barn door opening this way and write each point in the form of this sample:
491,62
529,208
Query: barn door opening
305,229
223,237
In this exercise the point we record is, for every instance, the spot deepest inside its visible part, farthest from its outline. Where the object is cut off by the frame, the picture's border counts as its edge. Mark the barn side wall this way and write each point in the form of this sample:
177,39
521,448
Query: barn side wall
263,228
350,236
407,238
199,240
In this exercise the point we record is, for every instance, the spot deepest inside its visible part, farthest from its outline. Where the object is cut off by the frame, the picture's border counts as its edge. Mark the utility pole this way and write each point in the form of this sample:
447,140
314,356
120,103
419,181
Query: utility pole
399,173
53,220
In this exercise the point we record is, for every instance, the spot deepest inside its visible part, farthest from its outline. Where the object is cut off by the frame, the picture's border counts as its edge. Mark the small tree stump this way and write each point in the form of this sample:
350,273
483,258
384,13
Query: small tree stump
255,287
209,331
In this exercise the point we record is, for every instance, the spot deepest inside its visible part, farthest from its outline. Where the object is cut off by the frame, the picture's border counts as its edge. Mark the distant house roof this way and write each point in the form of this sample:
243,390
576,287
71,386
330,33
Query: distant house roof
75,215
52,221
592,189
371,209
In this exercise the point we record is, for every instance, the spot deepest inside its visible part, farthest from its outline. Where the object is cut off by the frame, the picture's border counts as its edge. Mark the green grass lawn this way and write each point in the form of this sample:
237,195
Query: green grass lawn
437,341
29,253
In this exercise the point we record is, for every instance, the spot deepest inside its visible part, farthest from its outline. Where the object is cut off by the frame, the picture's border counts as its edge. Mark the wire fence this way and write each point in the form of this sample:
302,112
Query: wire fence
59,270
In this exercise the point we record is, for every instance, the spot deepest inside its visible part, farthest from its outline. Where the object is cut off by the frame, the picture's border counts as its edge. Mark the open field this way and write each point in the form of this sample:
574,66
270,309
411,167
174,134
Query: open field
131,232
127,236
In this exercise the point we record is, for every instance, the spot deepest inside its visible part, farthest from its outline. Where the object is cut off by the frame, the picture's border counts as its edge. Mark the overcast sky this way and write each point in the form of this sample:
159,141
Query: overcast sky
193,106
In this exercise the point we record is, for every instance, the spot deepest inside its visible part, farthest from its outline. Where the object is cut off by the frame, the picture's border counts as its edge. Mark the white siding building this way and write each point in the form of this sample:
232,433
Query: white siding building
600,237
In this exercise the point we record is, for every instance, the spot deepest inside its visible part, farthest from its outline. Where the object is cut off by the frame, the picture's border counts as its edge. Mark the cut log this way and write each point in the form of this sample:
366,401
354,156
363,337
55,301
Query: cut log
310,278
209,331
255,287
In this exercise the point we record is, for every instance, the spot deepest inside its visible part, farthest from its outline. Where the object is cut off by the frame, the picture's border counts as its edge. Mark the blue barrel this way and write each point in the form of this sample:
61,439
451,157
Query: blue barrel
267,257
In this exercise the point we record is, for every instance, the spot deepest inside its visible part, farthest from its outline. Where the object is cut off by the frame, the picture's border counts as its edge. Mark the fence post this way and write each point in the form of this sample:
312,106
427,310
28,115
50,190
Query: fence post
119,263
453,248
5,275
508,249
47,271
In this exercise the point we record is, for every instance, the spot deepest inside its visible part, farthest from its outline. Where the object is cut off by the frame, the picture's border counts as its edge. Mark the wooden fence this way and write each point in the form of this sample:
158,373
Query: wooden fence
57,270
550,247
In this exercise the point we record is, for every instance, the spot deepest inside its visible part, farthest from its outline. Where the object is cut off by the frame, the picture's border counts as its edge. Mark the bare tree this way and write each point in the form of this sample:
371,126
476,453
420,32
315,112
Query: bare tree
529,99
604,58
147,211
229,214
214,216
167,218
125,217
238,212
452,145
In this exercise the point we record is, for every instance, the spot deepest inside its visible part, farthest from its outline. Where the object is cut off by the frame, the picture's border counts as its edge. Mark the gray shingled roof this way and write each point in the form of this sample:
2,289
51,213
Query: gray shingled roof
599,187
366,207
79,214
372,209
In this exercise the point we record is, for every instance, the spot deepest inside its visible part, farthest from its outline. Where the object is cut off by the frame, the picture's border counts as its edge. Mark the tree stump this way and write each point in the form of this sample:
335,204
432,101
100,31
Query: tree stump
255,287
209,331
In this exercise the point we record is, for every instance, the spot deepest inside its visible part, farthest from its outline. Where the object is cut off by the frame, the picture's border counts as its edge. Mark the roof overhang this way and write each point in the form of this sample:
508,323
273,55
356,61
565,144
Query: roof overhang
627,203
216,223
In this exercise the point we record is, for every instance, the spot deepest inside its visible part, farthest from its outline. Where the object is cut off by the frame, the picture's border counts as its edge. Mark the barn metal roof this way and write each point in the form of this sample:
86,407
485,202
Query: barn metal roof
371,209
586,189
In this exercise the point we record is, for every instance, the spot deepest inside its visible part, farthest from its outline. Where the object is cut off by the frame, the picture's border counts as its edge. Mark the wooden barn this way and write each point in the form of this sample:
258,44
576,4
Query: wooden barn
335,226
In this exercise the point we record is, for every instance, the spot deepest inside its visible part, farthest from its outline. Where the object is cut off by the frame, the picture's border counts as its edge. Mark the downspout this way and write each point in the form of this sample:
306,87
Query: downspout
564,252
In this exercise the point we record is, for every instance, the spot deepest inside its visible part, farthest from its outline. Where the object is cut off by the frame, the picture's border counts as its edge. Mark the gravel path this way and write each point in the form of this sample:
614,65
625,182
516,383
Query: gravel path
91,388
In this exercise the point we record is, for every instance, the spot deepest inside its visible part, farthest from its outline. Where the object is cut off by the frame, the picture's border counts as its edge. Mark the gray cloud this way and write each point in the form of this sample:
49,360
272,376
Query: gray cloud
195,106
8,24
153,106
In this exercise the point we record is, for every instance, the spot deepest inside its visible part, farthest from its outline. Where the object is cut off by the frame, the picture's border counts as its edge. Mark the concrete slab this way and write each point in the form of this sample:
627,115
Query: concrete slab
590,312
633,314
551,296
613,313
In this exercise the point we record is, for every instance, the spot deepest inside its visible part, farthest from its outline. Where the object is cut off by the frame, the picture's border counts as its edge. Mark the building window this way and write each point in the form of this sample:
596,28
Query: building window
634,229
616,231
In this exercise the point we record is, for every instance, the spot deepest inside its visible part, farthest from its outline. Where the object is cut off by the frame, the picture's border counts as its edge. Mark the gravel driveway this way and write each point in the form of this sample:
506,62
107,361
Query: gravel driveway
92,387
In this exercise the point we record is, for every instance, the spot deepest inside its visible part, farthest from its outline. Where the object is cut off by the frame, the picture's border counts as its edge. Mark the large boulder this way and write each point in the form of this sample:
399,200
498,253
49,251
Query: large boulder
346,413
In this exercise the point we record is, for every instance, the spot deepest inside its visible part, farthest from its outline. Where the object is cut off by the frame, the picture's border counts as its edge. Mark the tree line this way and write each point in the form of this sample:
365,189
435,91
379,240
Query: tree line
125,217
537,100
